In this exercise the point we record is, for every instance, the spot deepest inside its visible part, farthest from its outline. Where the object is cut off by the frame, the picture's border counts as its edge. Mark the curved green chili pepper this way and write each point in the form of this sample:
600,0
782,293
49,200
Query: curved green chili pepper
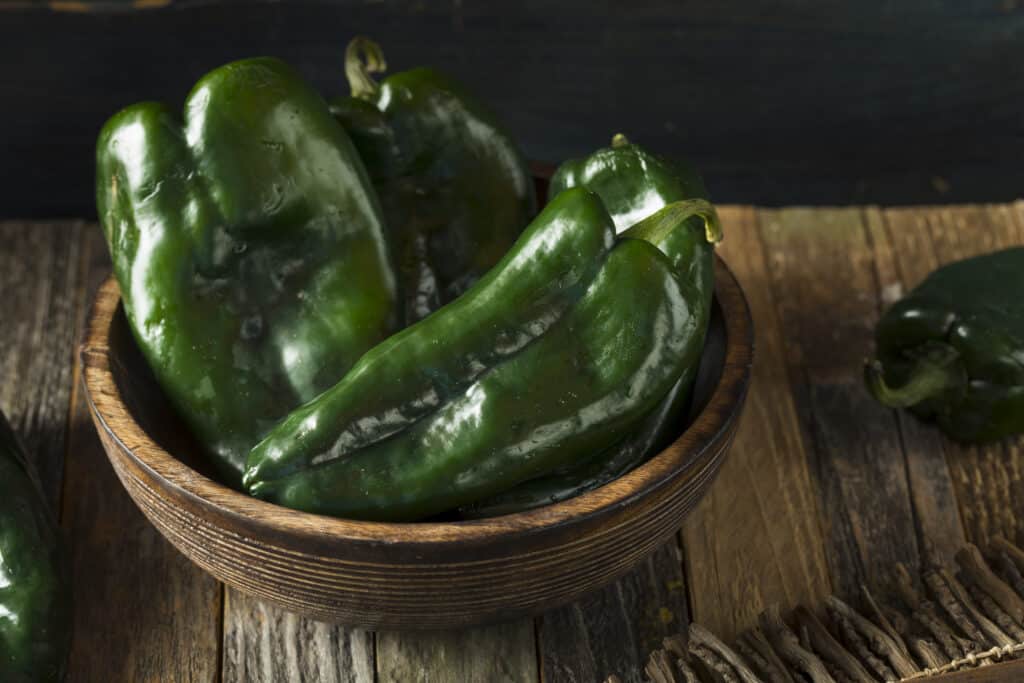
412,373
514,403
953,349
249,248
455,190
630,182
35,585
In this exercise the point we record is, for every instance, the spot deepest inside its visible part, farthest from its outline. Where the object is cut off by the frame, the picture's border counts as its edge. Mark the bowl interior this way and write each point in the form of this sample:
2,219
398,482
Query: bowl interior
146,403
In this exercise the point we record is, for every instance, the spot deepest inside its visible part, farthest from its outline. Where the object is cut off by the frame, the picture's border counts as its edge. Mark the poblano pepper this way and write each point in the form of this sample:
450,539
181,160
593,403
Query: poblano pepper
633,184
35,586
607,465
951,351
563,347
455,191
249,247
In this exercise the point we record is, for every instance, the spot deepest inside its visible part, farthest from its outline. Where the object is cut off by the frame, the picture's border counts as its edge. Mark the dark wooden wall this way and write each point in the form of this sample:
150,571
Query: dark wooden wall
779,102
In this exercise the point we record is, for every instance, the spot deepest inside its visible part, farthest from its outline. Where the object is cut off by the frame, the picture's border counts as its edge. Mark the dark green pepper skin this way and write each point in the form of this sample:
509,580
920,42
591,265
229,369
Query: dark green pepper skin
249,247
454,188
35,586
951,351
633,184
563,347
653,433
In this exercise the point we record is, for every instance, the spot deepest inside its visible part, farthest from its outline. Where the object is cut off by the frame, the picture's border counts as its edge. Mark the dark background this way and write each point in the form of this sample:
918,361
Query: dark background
796,101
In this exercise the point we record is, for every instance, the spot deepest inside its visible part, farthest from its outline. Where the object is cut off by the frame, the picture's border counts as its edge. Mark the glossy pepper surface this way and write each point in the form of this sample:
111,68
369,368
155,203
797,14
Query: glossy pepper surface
607,465
455,190
634,185
249,247
35,589
563,347
951,351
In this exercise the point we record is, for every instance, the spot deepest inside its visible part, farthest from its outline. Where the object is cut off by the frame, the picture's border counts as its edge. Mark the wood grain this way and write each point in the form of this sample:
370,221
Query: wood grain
142,611
264,644
503,653
825,288
764,496
903,256
787,519
40,279
614,629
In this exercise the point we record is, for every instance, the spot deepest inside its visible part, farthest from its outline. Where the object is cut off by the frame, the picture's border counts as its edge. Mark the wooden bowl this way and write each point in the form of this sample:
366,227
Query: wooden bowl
408,576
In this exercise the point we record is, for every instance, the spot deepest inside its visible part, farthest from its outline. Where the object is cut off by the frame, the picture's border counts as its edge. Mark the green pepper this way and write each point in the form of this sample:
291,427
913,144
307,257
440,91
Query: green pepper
951,351
249,247
35,586
563,347
606,466
454,188
633,184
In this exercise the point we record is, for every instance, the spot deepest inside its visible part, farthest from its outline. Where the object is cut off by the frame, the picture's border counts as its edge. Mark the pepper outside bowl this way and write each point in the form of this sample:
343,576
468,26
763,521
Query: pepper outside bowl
418,576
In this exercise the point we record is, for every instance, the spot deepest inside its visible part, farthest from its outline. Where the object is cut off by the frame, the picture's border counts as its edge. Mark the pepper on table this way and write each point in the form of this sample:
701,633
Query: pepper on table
952,350
454,188
35,585
562,348
249,247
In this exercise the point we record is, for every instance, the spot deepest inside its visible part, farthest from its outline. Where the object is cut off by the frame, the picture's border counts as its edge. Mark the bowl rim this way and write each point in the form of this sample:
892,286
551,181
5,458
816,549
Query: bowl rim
712,423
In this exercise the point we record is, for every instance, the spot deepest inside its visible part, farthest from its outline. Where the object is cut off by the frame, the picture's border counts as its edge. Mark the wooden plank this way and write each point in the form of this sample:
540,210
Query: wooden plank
503,653
263,644
903,256
756,539
135,590
40,273
142,611
826,293
614,629
987,479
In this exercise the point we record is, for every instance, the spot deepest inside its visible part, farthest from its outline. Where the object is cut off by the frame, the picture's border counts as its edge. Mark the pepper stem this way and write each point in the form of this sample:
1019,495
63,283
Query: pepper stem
363,57
619,140
934,372
658,225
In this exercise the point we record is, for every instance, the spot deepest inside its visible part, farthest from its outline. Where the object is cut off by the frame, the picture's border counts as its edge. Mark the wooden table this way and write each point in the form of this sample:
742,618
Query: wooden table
823,491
